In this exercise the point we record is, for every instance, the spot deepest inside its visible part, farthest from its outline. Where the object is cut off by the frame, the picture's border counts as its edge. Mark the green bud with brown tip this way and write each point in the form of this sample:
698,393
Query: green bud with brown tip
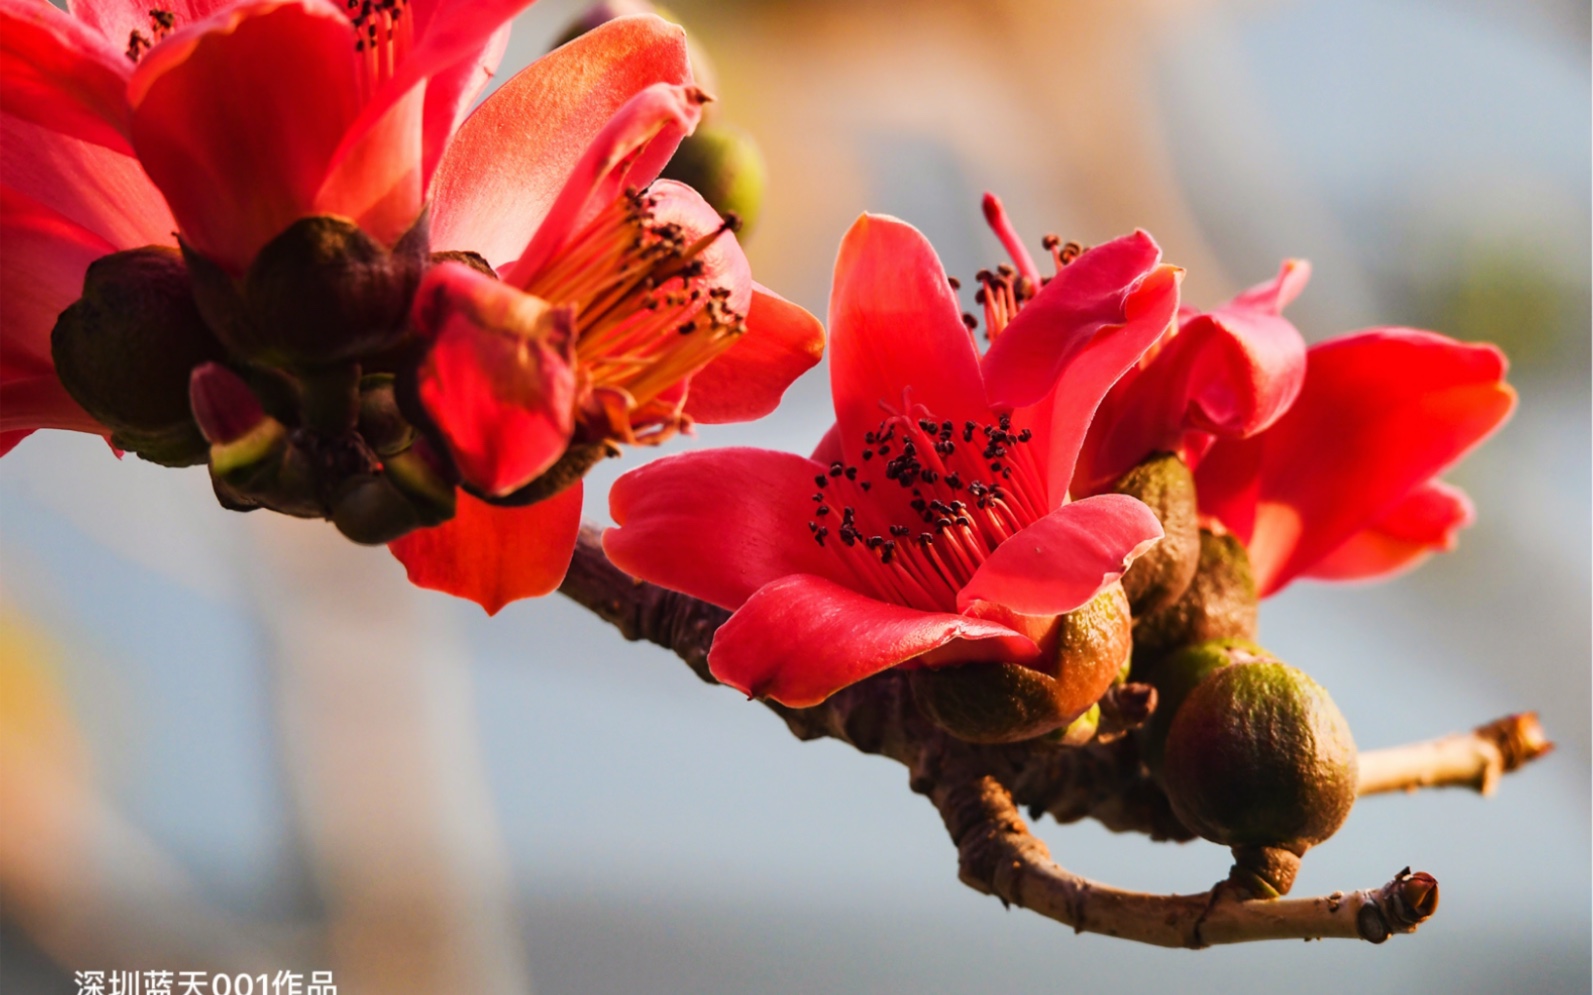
125,349
1083,652
1220,603
1259,758
724,164
1161,575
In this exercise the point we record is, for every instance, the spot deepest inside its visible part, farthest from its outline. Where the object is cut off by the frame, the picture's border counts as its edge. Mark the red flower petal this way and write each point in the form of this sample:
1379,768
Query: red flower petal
238,120
1079,335
718,523
493,555
62,74
449,37
895,324
1066,558
723,262
117,19
783,341
509,161
451,93
801,638
102,191
628,152
1382,412
41,273
1426,521
30,403
1231,372
499,379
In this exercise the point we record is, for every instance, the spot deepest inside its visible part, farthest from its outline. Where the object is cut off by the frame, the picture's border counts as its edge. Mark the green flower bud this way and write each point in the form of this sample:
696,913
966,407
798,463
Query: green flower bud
1160,576
1175,676
1260,759
1220,603
323,291
124,351
1082,729
1006,702
723,164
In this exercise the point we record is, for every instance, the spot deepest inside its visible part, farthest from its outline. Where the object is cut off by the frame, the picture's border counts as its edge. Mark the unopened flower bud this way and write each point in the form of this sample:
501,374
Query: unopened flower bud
1259,758
422,477
1083,653
223,406
125,348
382,425
1177,674
1082,729
323,291
723,164
1162,574
1220,603
368,509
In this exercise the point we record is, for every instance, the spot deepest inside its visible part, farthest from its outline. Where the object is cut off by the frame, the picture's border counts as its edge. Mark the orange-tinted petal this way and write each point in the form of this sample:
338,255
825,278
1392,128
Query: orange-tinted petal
493,555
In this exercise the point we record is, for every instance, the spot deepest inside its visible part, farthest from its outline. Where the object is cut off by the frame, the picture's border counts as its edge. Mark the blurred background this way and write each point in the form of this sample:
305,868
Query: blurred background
237,743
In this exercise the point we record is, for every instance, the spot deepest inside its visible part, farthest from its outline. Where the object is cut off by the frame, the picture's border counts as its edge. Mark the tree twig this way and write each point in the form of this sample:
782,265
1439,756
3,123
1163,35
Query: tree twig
978,789
1475,759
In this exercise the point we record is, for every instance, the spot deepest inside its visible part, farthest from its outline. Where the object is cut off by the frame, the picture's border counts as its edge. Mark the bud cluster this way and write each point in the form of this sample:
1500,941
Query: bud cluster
1250,752
284,379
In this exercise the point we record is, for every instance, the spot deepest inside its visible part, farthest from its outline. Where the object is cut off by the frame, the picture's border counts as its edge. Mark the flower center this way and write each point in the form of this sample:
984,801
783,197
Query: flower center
382,36
161,24
645,316
947,497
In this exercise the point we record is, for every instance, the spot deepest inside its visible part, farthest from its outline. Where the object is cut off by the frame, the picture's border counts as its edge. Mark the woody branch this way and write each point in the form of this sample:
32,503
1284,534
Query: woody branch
977,790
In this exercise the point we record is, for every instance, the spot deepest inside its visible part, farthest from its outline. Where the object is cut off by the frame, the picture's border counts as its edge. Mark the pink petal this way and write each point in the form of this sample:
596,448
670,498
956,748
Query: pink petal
801,638
627,153
499,380
62,74
43,257
719,523
493,555
1079,335
238,119
896,333
509,161
783,341
1382,412
1428,520
1066,558
98,189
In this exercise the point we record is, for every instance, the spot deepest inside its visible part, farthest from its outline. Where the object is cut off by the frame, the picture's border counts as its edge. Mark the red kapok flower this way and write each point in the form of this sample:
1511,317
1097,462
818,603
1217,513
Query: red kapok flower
1343,486
932,526
248,116
1322,461
626,312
